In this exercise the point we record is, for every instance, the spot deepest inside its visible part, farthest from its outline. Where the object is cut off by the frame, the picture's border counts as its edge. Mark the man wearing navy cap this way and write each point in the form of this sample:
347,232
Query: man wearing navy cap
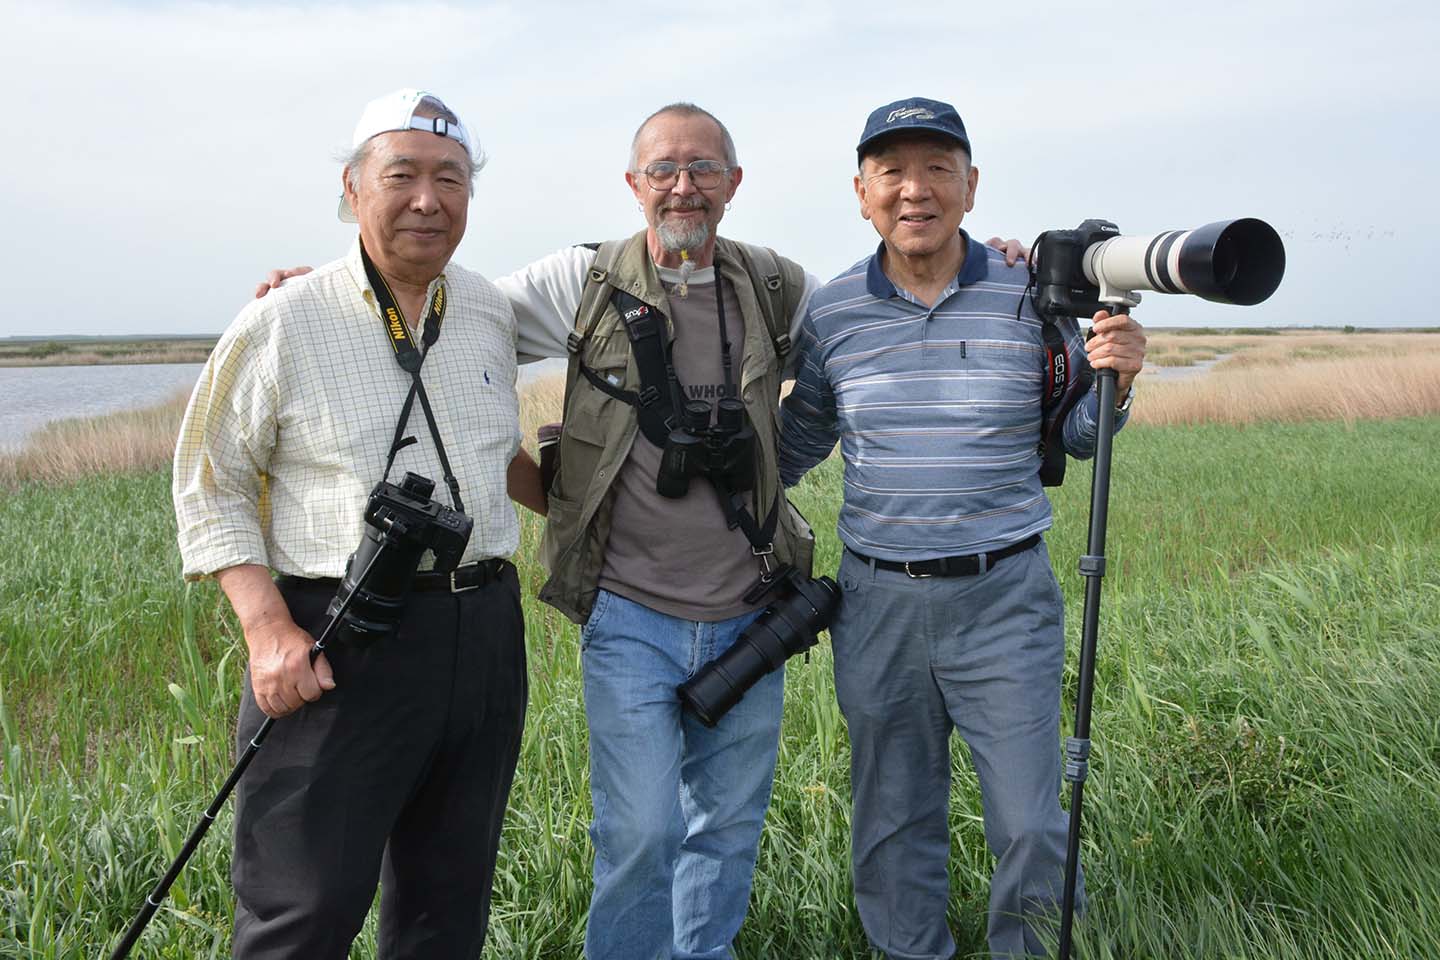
925,361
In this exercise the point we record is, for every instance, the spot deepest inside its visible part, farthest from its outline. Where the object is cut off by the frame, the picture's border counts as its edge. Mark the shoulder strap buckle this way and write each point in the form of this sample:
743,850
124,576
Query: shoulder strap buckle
648,395
766,556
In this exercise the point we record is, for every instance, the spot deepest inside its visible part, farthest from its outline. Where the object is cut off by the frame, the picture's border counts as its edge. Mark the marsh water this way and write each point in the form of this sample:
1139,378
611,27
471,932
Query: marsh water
31,397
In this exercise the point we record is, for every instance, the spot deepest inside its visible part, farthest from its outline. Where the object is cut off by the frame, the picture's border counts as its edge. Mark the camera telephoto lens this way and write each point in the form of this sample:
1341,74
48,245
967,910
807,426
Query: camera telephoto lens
401,523
379,603
787,627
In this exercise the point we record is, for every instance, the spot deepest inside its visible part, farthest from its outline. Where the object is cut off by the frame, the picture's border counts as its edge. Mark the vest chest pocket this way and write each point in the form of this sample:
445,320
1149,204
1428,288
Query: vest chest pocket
590,417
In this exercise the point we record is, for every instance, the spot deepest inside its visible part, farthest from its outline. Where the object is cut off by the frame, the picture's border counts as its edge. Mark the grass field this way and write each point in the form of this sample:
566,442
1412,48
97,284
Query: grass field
1267,773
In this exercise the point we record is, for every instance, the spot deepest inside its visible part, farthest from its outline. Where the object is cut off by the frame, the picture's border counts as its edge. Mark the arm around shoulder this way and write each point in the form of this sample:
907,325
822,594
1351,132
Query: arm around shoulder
545,295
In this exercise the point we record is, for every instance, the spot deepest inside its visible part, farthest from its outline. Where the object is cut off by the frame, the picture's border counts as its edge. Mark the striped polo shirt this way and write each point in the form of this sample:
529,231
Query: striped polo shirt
937,409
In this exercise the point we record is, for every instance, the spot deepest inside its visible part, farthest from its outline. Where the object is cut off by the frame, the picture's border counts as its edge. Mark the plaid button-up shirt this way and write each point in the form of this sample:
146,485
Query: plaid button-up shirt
292,419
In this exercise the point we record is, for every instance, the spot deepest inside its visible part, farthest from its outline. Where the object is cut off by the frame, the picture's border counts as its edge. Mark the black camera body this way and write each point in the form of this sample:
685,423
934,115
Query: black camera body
725,452
404,522
789,625
1057,263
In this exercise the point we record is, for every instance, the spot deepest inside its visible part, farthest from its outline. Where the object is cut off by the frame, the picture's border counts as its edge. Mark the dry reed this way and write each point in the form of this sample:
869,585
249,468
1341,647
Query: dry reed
1345,389
144,439
69,449
541,401
1298,376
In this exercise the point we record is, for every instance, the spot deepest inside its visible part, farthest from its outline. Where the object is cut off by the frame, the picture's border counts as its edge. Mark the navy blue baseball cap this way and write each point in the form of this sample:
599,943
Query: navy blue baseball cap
910,114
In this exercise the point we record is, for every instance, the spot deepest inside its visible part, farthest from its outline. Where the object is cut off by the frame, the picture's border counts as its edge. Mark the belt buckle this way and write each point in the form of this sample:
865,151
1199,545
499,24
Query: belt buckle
458,589
917,576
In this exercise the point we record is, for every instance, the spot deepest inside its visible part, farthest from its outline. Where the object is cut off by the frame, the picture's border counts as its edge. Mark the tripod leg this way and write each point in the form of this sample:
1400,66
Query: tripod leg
1092,568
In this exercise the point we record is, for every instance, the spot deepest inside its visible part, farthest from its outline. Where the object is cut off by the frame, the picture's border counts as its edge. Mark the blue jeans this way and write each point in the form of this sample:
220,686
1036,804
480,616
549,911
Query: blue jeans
678,806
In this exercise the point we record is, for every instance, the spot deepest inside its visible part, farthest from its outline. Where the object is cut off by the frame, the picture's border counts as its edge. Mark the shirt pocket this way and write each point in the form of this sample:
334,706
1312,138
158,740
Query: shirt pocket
1005,380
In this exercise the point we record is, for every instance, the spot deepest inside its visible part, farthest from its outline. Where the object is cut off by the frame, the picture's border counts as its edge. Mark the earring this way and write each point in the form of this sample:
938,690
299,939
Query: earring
728,205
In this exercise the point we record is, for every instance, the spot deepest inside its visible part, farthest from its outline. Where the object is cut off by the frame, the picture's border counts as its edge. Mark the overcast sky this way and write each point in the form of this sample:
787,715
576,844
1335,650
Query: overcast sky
159,157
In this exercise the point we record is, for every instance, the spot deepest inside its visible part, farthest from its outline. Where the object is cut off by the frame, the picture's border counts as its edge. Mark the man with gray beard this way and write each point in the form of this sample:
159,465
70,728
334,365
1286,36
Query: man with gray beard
661,584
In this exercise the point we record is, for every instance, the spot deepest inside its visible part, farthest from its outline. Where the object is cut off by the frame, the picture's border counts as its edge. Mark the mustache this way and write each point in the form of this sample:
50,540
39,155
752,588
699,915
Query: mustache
686,203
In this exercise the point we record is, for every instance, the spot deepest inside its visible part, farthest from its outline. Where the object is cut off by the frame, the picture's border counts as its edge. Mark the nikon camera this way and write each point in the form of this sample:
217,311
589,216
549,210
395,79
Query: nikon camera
403,522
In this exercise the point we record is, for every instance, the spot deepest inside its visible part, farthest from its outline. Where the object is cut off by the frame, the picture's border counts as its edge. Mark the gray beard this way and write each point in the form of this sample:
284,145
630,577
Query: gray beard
675,238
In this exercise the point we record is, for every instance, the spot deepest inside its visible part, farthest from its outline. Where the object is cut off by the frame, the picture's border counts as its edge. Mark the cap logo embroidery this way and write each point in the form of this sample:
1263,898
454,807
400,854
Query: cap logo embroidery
917,113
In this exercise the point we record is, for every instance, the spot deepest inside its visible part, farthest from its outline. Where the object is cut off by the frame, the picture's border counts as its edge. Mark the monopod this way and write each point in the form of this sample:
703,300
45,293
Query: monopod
1092,568
153,900
1093,267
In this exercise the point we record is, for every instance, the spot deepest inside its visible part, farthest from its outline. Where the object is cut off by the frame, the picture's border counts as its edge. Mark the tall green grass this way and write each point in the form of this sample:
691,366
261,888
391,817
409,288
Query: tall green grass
1266,779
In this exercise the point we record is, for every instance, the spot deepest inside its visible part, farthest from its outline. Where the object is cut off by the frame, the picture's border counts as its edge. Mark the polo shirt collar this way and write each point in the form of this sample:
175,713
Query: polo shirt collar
975,268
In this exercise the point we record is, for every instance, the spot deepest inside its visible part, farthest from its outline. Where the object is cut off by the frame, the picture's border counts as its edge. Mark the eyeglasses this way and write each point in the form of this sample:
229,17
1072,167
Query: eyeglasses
704,174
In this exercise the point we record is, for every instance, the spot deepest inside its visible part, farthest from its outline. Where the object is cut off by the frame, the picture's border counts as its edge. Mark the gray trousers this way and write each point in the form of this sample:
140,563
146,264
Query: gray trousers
914,659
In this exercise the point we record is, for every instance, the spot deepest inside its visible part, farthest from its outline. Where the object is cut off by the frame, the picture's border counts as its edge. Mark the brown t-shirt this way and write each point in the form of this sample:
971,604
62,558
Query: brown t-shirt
676,555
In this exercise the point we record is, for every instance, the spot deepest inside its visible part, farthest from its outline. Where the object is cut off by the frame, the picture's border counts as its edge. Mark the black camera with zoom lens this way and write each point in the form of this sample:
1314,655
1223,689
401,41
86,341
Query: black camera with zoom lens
789,625
405,522
725,452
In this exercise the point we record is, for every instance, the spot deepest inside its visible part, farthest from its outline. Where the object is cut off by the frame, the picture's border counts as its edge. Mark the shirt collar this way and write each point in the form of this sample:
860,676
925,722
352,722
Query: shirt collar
356,268
975,268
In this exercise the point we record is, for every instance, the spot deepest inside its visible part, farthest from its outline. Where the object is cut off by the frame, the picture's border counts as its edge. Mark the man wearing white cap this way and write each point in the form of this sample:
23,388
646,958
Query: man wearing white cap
399,765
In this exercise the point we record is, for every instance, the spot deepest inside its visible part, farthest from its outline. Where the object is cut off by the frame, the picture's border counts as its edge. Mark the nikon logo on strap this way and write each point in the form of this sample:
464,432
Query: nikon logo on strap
437,305
397,325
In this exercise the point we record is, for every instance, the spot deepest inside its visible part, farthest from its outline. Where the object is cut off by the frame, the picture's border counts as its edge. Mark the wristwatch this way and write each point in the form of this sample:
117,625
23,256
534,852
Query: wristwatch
1124,405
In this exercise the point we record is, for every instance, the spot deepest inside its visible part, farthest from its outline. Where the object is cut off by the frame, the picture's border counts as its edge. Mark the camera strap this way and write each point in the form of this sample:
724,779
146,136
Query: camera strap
1066,379
411,359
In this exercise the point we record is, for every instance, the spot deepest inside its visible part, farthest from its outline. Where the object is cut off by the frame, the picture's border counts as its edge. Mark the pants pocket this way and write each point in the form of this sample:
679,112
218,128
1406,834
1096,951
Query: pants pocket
587,632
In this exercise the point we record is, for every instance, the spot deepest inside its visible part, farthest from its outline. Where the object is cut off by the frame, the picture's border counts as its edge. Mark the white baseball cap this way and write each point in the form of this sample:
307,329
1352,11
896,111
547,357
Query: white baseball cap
396,111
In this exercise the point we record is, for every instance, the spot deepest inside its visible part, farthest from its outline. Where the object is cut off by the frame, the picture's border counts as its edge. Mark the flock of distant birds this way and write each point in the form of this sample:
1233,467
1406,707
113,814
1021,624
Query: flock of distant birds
1341,235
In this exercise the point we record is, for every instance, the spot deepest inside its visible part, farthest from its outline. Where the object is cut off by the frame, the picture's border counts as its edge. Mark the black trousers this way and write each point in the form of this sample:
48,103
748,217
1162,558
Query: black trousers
400,774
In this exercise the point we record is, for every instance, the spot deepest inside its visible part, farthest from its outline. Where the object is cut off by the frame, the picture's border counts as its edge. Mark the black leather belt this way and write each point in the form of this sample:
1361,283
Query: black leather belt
966,566
467,576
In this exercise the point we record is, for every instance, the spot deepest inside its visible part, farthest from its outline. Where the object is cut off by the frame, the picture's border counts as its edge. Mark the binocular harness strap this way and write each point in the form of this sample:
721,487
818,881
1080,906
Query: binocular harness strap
645,326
